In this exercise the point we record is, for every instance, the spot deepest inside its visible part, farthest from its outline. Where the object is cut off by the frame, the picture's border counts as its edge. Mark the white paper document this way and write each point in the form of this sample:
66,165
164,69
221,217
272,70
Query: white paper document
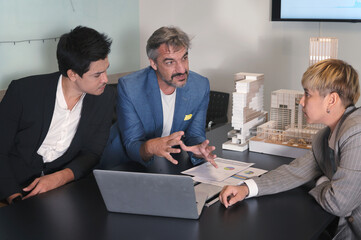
226,168
235,179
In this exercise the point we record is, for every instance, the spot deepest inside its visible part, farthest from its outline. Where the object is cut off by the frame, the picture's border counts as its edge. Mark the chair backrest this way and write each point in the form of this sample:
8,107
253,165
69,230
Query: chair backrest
217,108
113,83
113,78
113,86
2,94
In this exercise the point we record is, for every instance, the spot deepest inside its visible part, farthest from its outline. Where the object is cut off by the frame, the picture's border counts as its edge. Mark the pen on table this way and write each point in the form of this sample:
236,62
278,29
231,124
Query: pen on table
212,202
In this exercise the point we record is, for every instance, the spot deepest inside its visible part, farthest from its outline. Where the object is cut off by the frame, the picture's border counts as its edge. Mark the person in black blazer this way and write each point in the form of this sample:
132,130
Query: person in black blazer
54,127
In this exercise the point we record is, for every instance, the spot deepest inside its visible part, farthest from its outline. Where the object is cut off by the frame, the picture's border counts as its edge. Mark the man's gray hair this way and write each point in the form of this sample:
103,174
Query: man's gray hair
171,36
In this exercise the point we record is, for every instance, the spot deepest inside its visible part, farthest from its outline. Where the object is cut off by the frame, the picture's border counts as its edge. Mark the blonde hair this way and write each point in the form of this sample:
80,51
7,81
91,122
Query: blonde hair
333,75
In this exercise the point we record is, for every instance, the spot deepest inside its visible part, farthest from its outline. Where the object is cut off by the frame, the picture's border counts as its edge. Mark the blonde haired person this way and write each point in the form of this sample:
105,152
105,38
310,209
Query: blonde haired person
331,90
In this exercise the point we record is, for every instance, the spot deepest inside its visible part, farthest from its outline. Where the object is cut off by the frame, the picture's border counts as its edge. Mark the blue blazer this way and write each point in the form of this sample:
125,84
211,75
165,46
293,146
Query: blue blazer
140,113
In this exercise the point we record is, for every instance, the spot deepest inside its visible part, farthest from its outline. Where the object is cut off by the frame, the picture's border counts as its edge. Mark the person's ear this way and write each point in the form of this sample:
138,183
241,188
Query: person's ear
333,98
72,75
153,64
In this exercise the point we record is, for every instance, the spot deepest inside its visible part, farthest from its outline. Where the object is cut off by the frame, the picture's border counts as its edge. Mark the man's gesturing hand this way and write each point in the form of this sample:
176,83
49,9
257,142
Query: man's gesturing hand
202,150
162,147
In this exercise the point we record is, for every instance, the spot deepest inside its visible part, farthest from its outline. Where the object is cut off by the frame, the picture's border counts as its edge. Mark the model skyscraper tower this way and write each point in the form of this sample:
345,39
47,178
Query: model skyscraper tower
247,109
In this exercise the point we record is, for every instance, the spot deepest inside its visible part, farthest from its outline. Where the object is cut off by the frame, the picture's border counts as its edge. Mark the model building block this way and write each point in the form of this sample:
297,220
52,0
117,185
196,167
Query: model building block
247,109
287,133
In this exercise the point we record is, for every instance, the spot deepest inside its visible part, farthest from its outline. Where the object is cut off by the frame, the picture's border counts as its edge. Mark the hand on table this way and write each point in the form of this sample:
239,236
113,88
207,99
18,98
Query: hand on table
49,182
232,194
202,150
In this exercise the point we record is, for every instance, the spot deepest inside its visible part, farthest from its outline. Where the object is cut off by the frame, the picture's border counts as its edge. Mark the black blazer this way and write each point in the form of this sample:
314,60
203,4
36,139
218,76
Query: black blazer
25,116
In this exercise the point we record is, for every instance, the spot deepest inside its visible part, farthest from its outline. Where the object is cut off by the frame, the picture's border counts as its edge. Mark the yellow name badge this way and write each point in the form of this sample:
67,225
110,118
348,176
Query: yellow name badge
187,117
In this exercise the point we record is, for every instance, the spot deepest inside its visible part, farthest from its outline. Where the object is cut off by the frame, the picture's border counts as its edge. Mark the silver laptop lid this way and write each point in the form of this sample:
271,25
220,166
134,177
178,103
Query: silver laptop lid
149,194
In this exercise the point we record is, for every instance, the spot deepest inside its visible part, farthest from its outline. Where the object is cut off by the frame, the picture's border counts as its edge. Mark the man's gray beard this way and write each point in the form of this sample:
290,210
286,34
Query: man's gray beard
169,83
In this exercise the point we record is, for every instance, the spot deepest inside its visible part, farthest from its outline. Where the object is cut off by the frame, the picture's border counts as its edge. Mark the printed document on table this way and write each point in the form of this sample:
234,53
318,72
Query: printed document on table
235,179
226,168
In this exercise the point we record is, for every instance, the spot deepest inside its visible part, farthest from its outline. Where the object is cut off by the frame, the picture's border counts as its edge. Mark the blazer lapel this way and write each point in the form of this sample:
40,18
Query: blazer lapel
329,158
154,100
180,109
320,151
348,111
48,105
88,101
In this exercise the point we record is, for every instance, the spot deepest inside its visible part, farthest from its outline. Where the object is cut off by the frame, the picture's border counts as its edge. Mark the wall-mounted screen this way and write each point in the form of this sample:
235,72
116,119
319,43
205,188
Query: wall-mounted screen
316,10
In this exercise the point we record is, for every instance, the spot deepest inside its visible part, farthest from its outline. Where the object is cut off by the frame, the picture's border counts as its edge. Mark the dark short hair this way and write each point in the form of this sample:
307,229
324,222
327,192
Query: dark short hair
78,48
172,36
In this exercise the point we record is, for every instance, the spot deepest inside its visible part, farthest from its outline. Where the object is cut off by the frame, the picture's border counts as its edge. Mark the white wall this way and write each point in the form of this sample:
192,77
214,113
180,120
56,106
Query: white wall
229,36
233,36
36,19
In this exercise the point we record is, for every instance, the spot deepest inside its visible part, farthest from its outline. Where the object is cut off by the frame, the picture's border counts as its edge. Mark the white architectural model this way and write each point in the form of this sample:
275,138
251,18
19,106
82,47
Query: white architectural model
287,133
247,109
322,48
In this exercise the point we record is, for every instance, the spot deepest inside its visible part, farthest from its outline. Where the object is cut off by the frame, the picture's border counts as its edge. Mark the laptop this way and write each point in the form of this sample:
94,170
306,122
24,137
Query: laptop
150,194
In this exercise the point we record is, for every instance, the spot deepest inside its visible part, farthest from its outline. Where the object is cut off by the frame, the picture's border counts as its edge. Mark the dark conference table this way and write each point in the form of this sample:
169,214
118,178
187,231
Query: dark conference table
77,211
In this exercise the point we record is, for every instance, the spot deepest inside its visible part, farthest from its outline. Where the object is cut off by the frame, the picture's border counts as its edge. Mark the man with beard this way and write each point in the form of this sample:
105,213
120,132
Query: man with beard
54,127
162,106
